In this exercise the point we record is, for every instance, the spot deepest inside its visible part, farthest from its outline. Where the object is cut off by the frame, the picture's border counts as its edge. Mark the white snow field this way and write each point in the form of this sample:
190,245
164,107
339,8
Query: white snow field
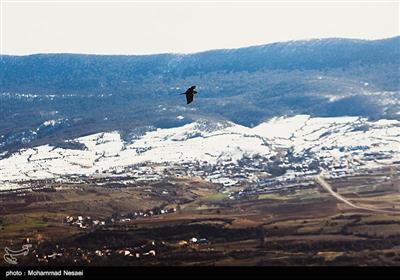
213,142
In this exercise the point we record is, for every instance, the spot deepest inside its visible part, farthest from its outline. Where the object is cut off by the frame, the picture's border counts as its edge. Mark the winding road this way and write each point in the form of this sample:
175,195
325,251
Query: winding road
324,184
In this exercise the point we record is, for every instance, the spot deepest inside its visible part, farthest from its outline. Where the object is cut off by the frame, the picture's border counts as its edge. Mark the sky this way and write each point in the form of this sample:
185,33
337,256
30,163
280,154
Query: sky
124,27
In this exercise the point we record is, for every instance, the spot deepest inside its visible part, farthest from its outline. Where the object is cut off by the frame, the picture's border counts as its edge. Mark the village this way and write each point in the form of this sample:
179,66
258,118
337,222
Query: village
86,222
141,252
253,174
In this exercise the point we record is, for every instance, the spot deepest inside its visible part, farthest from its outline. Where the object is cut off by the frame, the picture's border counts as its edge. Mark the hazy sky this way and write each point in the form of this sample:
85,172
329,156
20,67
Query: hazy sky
142,28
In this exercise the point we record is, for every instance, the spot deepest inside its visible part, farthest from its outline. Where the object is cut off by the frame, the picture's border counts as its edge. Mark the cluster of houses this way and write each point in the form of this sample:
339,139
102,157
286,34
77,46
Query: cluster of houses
84,222
254,170
225,173
300,172
146,250
250,169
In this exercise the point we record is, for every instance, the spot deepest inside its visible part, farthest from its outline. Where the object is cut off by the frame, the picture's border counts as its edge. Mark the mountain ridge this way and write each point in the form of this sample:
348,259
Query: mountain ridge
322,78
287,42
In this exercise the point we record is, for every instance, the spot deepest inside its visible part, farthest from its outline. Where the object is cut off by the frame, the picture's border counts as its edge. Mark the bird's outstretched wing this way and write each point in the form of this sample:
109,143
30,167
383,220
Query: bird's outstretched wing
189,98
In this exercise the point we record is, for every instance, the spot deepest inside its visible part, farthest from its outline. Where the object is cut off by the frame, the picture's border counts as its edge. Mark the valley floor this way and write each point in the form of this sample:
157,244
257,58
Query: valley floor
187,221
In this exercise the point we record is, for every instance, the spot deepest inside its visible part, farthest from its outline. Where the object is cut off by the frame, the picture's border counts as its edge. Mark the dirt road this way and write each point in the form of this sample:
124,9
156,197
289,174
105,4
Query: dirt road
320,180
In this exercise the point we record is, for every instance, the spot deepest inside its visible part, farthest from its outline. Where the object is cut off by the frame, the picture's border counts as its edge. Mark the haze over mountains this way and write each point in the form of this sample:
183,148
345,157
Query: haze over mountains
48,98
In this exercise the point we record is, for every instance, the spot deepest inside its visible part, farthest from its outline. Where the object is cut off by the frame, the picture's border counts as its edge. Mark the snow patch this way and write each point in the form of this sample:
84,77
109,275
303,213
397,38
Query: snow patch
212,142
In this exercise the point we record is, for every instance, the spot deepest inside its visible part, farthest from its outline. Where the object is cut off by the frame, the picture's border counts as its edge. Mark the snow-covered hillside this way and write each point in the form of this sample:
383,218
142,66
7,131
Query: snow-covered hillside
349,140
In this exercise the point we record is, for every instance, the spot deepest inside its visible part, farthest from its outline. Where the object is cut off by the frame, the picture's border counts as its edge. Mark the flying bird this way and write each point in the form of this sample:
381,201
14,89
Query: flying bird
190,92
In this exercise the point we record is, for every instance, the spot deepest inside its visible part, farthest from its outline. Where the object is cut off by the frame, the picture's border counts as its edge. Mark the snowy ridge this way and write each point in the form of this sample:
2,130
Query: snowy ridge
348,140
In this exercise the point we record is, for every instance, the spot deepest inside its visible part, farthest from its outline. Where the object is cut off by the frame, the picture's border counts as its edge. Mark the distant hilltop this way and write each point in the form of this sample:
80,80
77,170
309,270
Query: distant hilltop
117,73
